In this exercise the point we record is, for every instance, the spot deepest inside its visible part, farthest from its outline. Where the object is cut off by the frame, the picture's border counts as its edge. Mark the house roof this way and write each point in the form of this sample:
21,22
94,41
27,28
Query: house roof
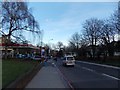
19,46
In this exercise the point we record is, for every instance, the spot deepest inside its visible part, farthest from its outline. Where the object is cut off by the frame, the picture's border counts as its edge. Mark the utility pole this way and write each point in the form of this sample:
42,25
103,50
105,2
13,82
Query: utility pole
41,39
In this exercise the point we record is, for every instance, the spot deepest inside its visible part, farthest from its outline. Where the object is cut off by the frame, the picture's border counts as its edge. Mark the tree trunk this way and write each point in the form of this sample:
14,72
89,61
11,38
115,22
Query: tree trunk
7,42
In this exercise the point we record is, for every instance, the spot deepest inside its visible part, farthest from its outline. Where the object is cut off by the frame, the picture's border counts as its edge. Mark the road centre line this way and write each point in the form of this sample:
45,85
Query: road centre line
99,64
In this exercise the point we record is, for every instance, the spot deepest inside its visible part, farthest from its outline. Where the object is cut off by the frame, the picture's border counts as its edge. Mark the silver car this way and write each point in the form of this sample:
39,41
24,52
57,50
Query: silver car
69,60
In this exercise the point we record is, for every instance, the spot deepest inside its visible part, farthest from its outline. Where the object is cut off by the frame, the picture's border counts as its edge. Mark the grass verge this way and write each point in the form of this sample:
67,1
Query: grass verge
12,69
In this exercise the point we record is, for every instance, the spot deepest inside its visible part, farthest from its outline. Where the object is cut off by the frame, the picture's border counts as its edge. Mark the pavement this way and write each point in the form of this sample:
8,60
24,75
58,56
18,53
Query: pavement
48,77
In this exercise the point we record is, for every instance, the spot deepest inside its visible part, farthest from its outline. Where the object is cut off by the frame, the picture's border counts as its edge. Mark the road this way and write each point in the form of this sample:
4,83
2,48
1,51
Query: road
89,75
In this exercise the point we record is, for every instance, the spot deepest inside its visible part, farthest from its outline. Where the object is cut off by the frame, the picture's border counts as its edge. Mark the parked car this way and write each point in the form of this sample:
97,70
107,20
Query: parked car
69,60
36,57
21,56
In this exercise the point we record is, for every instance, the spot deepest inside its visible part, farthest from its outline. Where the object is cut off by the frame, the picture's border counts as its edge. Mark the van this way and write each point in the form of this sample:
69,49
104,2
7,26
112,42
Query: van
69,60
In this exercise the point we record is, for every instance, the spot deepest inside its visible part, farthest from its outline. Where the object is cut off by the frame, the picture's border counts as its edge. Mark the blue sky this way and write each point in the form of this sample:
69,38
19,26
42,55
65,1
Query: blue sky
60,20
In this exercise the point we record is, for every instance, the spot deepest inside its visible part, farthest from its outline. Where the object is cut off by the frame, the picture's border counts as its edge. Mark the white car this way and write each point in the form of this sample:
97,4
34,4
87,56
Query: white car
69,60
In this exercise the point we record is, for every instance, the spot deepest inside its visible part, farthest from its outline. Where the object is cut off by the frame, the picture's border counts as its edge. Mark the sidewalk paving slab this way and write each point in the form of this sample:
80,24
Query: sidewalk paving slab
47,77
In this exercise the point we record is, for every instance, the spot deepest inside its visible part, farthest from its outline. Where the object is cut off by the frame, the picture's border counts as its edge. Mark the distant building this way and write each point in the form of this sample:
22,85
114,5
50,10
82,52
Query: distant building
14,49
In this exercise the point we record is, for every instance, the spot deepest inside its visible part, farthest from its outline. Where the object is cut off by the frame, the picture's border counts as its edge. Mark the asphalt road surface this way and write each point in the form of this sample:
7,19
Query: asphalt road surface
91,76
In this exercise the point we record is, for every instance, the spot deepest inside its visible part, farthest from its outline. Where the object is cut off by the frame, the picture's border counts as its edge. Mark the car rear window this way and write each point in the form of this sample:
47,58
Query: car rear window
70,58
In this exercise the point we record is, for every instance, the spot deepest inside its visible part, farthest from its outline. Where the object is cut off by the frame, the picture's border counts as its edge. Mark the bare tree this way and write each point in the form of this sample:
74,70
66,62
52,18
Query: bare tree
116,18
60,45
107,32
84,41
74,43
61,49
91,31
16,19
75,40
107,36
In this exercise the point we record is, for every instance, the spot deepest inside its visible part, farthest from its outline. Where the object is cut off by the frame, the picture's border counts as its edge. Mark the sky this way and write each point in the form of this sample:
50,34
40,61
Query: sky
60,20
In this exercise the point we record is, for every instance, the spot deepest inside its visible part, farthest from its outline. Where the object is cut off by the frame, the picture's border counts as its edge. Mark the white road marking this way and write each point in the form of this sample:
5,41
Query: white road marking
110,76
99,64
85,68
100,73
88,69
